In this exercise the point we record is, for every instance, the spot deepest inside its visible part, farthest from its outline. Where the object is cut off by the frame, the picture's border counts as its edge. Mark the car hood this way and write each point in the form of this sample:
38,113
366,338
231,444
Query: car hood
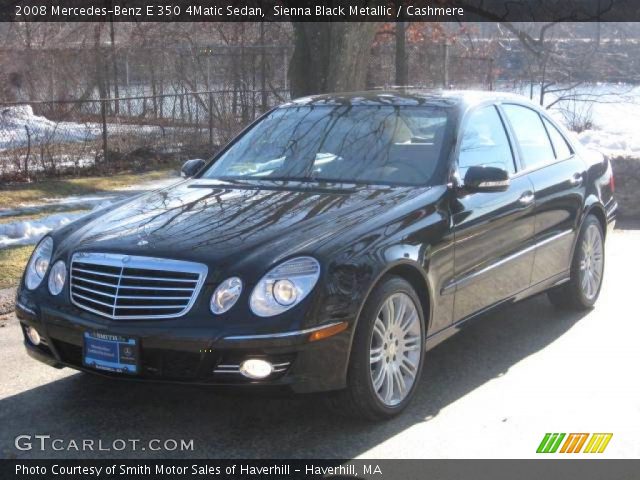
219,221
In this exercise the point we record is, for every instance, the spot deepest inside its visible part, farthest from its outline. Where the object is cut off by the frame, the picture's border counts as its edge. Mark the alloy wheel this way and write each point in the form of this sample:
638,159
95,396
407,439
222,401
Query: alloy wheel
395,349
591,262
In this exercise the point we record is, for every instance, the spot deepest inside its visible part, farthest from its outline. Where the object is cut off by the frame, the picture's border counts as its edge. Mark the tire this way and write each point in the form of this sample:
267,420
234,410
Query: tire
400,351
587,270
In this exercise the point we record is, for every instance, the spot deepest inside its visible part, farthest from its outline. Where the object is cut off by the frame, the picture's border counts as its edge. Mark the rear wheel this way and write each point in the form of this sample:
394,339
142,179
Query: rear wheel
387,353
587,270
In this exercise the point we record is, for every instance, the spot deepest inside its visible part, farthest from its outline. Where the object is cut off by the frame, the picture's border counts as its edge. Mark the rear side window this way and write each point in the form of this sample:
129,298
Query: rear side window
531,135
485,142
559,143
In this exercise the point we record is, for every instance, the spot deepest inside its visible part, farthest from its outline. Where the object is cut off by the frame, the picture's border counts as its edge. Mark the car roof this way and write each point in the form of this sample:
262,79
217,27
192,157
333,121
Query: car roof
405,96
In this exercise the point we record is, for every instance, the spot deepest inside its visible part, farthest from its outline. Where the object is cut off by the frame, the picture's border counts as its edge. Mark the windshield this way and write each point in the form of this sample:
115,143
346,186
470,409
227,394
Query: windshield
359,144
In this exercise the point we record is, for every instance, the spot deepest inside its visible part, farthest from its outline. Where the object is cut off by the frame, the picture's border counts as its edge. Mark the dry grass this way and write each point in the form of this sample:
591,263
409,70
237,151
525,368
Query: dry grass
15,195
12,263
45,212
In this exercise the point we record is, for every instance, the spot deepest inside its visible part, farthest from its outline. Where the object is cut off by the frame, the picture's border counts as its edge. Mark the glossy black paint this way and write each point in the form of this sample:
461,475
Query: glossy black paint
464,252
486,179
191,167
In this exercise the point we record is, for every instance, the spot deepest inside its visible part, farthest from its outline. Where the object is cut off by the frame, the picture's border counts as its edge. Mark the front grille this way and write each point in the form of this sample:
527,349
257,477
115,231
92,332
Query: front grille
125,287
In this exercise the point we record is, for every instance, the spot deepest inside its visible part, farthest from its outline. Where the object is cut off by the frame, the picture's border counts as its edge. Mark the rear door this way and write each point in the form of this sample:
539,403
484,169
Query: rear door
493,231
558,177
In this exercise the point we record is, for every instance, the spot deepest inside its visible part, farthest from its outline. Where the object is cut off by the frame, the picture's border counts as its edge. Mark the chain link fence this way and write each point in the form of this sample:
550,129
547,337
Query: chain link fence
435,65
154,107
49,138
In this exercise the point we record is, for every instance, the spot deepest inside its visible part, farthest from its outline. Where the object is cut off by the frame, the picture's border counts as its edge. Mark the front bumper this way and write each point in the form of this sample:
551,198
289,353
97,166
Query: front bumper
193,354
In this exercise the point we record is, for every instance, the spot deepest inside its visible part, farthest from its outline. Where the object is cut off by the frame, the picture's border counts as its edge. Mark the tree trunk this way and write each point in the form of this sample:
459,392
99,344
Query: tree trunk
114,65
31,70
330,57
99,63
402,72
263,71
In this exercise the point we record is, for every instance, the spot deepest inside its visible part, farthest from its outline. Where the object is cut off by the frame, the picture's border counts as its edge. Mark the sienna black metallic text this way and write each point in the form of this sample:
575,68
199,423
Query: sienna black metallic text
327,248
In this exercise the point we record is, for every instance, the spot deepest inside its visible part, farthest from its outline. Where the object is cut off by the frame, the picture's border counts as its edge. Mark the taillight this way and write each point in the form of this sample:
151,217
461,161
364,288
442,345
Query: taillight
612,183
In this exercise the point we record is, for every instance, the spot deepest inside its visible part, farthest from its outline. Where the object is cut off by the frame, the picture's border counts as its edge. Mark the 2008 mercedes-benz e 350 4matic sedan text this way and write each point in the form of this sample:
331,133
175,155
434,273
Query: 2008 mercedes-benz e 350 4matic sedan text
327,248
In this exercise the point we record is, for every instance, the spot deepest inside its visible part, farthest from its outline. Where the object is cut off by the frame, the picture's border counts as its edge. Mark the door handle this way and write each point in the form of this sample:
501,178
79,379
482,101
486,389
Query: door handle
575,180
526,198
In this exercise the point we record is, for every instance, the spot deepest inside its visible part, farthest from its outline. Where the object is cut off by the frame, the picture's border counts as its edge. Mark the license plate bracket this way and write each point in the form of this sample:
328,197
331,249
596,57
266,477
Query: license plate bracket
111,353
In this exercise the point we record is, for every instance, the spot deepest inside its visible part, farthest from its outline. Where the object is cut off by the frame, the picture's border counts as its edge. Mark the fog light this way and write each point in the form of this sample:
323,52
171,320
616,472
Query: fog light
33,336
256,368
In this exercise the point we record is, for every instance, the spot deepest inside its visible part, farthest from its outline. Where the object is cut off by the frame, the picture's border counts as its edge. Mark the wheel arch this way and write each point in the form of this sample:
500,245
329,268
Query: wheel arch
593,206
412,273
420,284
597,211
416,277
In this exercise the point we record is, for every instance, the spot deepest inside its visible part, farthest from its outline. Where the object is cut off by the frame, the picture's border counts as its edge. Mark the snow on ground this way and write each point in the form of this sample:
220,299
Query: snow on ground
29,232
19,126
613,144
616,129
614,110
616,118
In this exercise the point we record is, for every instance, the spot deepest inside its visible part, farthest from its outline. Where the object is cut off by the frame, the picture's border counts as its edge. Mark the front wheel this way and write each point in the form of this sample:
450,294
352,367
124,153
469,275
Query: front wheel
587,270
387,353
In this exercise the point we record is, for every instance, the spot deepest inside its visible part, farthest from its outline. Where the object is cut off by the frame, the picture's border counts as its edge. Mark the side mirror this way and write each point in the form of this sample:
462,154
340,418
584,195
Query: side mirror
486,179
191,167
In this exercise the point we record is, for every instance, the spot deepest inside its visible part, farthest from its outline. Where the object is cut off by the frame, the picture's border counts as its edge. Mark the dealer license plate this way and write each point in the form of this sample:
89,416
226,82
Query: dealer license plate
112,353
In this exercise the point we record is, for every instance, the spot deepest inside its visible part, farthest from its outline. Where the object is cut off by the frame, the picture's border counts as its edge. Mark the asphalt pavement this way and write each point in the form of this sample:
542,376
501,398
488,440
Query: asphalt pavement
492,391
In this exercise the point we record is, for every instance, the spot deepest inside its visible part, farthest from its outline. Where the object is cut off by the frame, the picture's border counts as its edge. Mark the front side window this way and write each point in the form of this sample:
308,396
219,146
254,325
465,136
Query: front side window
485,142
559,143
359,144
531,135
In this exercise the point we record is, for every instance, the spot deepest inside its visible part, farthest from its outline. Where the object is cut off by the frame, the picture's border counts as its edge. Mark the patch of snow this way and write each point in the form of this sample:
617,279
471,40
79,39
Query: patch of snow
28,232
19,126
615,112
616,118
612,144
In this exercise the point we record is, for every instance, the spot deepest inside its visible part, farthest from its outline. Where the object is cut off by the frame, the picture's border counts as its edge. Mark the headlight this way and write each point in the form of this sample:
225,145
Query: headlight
285,292
226,295
285,286
57,276
38,263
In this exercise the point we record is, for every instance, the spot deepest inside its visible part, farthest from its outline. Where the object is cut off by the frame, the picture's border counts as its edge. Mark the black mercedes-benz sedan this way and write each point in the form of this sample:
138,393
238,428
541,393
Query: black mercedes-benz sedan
327,248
